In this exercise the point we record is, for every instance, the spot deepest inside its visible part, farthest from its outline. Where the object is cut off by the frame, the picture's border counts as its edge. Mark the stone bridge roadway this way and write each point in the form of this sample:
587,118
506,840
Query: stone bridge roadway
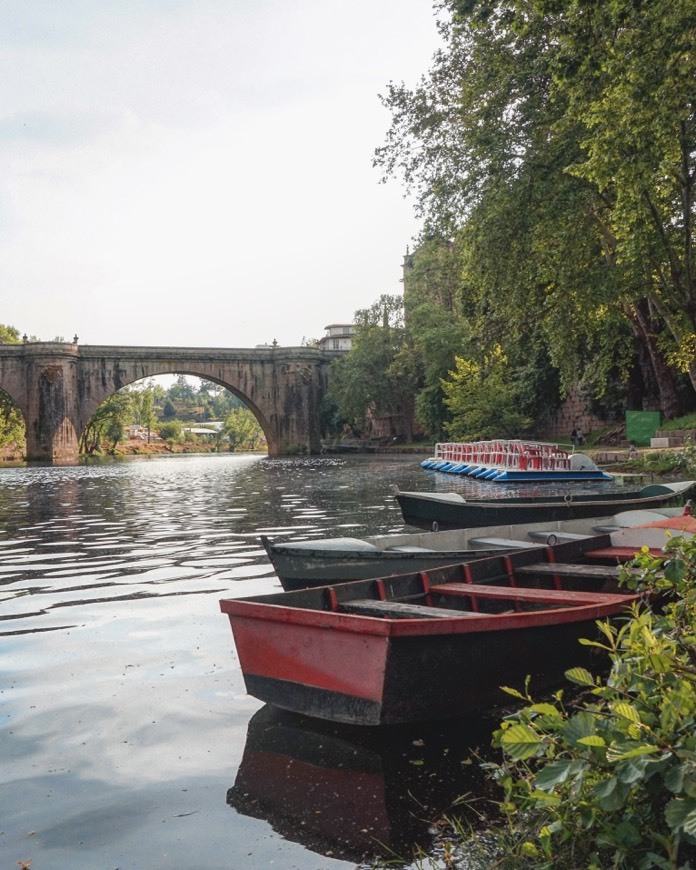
59,386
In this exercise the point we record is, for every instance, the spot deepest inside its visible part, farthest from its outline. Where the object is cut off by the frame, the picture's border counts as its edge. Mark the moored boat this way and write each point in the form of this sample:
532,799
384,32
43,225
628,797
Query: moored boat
513,461
318,561
427,645
450,510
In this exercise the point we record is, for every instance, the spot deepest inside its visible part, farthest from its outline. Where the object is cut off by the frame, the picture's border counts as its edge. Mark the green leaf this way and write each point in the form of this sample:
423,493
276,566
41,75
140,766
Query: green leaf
584,641
632,770
553,774
681,814
546,709
580,676
611,794
627,835
626,711
592,740
605,787
583,724
689,825
520,741
674,778
661,664
634,752
513,692
529,850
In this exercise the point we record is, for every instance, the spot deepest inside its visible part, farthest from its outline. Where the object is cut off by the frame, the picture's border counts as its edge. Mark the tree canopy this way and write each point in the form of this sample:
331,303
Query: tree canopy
553,145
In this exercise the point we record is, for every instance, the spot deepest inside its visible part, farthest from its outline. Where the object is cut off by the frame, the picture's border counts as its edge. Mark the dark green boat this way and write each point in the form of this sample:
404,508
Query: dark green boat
450,510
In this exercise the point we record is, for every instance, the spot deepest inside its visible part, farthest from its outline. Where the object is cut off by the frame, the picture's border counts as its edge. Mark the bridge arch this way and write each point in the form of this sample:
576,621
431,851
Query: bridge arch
59,386
91,407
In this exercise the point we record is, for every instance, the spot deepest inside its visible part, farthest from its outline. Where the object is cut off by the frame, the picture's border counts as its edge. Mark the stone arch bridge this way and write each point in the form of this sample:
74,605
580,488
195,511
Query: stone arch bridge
59,386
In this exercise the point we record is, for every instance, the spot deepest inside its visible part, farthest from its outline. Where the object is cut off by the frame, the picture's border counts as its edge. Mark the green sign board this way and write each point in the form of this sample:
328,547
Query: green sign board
641,426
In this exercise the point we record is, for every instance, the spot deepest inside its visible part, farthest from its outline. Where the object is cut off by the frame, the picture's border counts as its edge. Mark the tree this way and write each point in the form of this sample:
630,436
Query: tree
144,407
181,390
108,423
172,431
483,400
241,429
374,378
627,71
554,140
9,334
12,429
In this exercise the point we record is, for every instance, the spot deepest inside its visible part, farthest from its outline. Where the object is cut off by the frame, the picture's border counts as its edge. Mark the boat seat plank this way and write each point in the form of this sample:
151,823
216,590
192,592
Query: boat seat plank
508,543
621,554
399,610
596,572
523,593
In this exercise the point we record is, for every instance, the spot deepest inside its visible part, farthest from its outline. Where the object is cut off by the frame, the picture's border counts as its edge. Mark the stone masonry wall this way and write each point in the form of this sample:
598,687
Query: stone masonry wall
574,412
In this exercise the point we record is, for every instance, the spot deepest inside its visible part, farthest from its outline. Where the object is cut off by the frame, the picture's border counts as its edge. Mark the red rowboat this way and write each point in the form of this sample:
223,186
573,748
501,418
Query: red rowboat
429,645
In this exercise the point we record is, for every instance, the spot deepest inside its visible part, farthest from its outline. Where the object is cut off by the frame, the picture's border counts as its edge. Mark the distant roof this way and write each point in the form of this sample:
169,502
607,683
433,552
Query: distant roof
334,325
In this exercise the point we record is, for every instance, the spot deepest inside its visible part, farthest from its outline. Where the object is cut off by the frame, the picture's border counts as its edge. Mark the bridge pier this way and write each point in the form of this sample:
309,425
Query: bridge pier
50,405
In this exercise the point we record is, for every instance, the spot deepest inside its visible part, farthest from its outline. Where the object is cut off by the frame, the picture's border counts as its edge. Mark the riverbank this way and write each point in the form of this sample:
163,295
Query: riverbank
627,462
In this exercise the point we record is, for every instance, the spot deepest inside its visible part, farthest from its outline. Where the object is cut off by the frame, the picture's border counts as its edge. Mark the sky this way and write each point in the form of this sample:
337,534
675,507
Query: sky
198,173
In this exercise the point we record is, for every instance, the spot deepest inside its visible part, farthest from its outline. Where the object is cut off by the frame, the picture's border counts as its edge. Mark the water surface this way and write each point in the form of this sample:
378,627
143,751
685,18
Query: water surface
126,737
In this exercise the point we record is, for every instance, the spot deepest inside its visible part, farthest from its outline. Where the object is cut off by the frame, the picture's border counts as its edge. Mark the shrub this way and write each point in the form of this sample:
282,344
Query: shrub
172,431
610,780
680,461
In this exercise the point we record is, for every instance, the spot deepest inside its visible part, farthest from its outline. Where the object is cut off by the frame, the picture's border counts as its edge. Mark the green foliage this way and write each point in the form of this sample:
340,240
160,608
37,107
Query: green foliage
241,430
377,377
172,431
143,403
610,780
181,390
553,141
9,334
12,433
11,423
482,400
108,423
687,422
437,331
680,461
168,410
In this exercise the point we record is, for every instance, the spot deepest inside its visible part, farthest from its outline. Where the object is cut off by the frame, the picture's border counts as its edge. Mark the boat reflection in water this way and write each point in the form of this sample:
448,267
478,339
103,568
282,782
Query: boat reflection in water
353,793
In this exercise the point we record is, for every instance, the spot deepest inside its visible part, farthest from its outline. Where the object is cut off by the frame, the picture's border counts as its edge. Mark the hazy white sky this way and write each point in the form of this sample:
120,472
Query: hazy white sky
198,172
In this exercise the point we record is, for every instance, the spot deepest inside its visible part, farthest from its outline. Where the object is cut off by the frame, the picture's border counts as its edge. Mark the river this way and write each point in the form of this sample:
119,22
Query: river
126,737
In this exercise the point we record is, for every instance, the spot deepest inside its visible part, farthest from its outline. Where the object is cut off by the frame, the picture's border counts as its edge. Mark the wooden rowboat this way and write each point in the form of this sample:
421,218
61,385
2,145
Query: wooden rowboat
428,645
318,561
450,510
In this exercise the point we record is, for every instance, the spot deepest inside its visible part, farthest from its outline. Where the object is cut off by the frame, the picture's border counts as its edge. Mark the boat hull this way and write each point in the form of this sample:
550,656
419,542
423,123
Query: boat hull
316,568
410,679
443,511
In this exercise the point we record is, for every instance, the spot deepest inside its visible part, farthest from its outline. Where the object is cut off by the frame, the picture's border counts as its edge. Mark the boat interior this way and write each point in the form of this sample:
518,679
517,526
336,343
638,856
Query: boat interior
543,577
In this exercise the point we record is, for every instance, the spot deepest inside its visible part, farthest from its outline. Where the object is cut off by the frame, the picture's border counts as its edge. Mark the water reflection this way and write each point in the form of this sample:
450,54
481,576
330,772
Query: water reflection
356,793
150,527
